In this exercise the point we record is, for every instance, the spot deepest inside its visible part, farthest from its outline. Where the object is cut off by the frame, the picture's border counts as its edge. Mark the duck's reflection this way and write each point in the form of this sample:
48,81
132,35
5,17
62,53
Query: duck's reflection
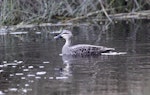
76,61
66,72
94,74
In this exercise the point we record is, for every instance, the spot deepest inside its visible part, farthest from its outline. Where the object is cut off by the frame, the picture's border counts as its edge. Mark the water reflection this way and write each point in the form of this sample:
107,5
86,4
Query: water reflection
96,75
30,65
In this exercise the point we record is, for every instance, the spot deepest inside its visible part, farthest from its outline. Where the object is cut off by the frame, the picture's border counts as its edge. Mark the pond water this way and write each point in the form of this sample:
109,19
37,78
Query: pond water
30,63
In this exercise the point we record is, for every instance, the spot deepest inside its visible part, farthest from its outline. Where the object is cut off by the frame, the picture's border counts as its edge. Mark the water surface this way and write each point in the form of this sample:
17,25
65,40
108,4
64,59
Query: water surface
30,64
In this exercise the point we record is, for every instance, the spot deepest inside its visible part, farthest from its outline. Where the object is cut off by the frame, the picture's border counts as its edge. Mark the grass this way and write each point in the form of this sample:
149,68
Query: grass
13,12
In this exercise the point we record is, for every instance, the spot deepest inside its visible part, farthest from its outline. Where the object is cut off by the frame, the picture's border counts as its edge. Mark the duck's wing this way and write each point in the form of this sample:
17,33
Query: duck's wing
89,49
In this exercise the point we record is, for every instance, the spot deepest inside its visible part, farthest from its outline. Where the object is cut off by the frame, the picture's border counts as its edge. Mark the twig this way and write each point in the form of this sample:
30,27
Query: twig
69,8
85,16
136,3
92,13
103,9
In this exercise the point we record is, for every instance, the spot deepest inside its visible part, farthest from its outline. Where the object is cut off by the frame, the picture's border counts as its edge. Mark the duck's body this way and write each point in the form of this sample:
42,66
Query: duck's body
84,49
80,49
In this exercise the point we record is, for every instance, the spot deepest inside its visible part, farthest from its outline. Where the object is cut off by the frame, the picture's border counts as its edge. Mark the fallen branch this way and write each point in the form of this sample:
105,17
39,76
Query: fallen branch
120,16
85,16
21,26
132,15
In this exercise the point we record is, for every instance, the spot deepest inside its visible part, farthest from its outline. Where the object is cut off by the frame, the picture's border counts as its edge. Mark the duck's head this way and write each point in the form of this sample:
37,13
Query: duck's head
66,34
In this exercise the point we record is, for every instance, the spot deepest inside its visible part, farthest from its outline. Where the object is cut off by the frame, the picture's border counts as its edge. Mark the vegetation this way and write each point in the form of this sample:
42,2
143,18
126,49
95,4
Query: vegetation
14,12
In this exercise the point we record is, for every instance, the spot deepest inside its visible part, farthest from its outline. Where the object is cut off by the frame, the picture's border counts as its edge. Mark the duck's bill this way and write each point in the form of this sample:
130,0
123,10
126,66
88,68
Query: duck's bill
58,36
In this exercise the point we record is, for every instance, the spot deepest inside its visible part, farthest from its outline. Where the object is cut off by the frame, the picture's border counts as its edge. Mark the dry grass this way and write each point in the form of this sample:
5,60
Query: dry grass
13,12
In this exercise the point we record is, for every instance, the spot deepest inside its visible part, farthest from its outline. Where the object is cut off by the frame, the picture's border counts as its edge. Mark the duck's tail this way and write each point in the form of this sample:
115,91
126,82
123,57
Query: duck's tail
108,50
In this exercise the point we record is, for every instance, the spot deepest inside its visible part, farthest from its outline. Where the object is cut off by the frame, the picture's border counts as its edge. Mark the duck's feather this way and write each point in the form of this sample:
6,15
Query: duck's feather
84,49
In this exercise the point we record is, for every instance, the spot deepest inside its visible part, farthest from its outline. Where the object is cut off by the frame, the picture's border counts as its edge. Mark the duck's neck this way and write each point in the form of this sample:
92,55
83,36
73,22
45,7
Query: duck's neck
66,47
68,42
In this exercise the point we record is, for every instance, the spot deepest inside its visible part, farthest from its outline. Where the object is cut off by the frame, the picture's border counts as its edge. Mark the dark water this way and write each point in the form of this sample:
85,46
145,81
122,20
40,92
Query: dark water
31,65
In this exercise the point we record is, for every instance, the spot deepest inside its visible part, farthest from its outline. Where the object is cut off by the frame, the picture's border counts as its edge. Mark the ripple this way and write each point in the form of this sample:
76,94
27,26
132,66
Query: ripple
11,75
19,62
19,74
1,66
31,75
4,61
114,53
26,85
2,93
41,66
14,66
25,70
10,64
62,77
1,71
30,67
45,62
24,90
12,89
51,77
18,33
41,73
23,77
38,77
37,32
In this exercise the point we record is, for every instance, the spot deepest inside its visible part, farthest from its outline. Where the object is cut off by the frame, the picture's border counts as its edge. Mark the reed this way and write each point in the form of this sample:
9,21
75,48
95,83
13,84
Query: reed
13,12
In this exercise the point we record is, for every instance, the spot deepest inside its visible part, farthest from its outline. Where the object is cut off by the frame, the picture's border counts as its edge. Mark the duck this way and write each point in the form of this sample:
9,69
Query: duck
80,49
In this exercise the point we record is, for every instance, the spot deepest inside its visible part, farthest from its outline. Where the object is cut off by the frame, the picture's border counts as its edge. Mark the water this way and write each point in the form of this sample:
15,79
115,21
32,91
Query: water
31,65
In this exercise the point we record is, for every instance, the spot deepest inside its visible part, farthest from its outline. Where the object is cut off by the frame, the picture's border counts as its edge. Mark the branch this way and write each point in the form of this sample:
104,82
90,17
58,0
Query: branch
85,16
19,26
103,9
132,15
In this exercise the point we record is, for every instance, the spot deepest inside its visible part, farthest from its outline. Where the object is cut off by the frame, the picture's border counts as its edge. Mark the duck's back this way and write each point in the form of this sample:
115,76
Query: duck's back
84,49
